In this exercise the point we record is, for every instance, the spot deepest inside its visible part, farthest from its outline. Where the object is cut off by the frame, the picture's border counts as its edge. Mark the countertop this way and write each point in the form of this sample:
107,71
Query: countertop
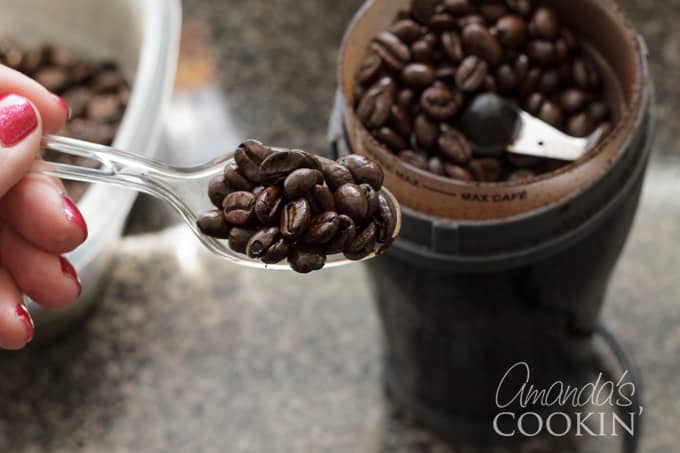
189,353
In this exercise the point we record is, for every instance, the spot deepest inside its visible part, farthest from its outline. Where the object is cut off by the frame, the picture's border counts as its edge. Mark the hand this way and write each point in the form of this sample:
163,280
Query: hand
38,222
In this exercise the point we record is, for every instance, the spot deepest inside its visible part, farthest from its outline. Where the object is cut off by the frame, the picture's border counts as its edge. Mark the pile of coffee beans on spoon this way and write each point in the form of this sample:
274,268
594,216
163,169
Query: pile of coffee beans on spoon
420,74
277,204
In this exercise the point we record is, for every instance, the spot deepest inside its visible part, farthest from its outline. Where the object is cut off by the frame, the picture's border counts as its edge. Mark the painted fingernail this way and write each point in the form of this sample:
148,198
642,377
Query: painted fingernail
17,119
62,103
25,316
68,270
73,215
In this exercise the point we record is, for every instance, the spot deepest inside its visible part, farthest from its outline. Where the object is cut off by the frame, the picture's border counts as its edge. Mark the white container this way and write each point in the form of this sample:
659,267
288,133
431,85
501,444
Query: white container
142,36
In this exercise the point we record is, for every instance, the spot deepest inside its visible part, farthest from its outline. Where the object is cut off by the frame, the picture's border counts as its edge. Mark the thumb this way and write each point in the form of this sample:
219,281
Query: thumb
20,136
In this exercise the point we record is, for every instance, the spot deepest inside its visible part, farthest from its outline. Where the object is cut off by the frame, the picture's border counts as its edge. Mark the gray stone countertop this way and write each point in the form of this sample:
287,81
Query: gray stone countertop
189,353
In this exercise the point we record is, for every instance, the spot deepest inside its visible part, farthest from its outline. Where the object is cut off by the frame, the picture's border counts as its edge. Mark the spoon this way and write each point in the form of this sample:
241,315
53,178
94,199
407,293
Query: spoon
494,126
184,188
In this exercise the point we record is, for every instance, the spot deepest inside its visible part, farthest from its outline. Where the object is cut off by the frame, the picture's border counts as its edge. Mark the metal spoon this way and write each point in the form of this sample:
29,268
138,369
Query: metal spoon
185,188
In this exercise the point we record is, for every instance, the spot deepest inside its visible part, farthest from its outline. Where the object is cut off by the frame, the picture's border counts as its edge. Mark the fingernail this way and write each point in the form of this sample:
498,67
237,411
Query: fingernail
62,103
25,316
74,215
17,119
67,269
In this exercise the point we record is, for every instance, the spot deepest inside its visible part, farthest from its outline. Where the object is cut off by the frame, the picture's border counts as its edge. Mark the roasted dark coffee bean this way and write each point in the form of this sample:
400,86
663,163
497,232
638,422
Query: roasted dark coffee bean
442,22
551,114
580,125
218,189
401,121
446,72
387,220
479,41
492,11
390,138
455,147
458,173
544,24
351,200
259,243
279,165
521,174
296,217
534,103
452,46
423,10
561,50
436,166
426,132
487,169
407,30
521,65
300,182
422,52
374,107
550,81
321,199
512,31
414,159
441,103
584,75
54,79
372,197
323,228
104,108
506,78
365,239
406,98
345,235
471,19
392,50
364,171
459,7
239,208
305,260
235,179
239,237
214,224
249,156
490,84
522,7
530,82
573,100
336,175
268,205
418,75
277,252
542,52
431,39
471,73
598,111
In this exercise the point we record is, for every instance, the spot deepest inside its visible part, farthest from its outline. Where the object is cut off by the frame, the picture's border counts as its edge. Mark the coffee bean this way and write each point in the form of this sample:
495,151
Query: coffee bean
471,19
455,147
364,240
323,228
544,24
214,224
364,171
522,7
297,215
598,111
239,237
490,84
446,72
259,243
249,156
442,22
573,100
268,205
471,74
550,81
512,31
54,79
459,7
414,159
336,175
521,174
387,220
372,197
542,52
277,252
301,181
441,103
104,108
375,106
351,200
487,169
239,208
584,75
534,103
452,46
477,40
407,30
401,121
418,76
321,199
458,173
344,236
551,114
506,78
561,50
390,138
426,132
279,165
530,82
305,260
492,11
423,10
406,98
392,50
422,52
235,179
218,190
580,125
521,66
436,166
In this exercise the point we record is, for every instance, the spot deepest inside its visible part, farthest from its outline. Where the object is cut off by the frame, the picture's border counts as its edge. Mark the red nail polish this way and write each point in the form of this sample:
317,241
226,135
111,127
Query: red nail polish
73,215
67,269
25,316
17,119
62,103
